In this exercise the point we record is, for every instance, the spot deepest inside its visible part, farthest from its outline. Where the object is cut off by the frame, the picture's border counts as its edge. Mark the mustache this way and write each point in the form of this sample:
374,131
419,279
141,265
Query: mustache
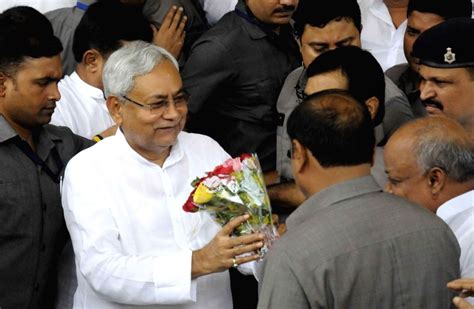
285,9
433,103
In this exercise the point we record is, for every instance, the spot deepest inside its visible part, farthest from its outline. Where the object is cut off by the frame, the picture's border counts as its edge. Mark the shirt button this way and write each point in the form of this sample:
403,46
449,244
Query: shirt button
43,206
37,286
43,247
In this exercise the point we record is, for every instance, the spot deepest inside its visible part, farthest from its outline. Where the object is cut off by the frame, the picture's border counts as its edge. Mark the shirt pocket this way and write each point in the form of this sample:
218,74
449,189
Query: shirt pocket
14,210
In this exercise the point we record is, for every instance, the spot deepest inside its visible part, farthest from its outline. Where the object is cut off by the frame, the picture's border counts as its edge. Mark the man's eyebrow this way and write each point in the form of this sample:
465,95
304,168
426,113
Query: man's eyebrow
48,78
319,44
345,40
163,96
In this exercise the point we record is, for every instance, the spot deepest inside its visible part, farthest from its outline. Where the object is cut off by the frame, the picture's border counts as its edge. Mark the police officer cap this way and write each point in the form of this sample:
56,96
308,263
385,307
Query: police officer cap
447,45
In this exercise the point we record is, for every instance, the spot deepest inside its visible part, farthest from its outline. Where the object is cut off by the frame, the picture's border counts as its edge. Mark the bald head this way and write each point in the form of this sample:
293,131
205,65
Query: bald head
429,160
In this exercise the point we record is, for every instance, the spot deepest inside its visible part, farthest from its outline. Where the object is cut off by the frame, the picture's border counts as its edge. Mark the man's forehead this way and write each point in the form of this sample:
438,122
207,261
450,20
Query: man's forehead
41,67
338,29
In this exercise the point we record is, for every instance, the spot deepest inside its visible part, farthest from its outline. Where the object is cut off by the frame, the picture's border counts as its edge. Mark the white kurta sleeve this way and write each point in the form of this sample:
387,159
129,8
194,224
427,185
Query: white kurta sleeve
163,278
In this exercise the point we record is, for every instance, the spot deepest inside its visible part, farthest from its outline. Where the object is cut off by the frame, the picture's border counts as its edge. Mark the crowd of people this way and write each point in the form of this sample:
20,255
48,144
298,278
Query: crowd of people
361,113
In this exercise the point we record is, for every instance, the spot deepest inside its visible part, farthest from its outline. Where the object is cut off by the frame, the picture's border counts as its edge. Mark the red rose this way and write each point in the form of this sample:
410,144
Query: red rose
245,156
223,170
189,205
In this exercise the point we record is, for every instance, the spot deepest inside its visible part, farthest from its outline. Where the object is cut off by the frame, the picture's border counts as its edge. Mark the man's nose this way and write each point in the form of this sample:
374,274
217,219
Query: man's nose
54,94
293,3
426,91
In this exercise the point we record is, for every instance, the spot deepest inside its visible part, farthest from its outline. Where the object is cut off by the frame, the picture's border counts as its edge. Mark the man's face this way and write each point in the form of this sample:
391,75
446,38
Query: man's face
417,23
29,96
274,12
337,33
404,177
152,132
325,81
449,92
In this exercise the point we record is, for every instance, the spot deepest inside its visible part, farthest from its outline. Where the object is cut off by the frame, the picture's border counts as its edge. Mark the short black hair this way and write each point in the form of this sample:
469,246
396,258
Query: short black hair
318,13
334,127
25,33
105,24
445,8
364,74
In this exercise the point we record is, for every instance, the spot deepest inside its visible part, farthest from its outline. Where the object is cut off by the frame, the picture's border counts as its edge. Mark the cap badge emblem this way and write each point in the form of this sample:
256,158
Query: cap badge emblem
449,57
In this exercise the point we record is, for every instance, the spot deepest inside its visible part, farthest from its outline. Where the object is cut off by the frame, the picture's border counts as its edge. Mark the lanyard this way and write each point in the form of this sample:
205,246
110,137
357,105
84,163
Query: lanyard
26,149
82,6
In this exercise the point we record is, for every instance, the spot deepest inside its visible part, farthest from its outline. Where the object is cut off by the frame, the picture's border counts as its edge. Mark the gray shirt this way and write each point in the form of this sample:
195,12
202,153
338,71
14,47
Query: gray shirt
32,228
353,246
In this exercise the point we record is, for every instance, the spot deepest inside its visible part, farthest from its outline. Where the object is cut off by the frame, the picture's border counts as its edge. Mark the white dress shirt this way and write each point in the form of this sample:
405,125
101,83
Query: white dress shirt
82,107
379,35
41,5
458,213
132,239
215,9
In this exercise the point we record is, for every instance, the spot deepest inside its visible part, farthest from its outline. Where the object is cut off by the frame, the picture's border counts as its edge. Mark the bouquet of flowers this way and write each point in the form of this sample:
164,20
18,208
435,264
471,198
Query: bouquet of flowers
232,189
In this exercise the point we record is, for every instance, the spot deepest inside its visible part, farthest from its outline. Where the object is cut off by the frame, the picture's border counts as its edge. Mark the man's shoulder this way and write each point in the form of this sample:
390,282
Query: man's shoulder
228,31
351,220
395,72
199,144
68,143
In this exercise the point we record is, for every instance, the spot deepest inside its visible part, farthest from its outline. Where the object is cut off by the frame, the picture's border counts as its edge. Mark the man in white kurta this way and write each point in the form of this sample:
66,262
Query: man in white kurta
458,213
379,34
81,108
123,198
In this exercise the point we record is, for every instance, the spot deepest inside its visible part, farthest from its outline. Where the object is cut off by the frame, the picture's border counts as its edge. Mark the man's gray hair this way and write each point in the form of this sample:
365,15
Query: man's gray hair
136,58
455,156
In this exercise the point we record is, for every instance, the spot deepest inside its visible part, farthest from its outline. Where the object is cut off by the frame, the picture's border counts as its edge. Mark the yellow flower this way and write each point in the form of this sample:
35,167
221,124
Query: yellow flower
202,194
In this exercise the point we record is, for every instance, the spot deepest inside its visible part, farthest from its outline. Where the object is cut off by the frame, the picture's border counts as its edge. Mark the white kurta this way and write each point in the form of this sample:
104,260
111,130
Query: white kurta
458,213
81,108
379,35
131,237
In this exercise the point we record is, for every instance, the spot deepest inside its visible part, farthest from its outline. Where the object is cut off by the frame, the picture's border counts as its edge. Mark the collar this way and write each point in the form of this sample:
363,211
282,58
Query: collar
6,131
46,138
380,10
330,196
87,89
255,28
456,205
175,156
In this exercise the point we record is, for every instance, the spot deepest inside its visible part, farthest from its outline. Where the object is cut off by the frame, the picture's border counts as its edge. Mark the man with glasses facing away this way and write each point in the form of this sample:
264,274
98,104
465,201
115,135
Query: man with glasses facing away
123,198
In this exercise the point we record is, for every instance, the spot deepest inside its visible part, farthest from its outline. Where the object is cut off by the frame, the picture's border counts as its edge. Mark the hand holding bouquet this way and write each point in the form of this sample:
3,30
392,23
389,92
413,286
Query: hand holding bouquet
231,190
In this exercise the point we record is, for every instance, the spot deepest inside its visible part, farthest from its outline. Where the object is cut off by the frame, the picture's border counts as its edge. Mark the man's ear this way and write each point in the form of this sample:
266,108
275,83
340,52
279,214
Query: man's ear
299,156
436,178
92,60
3,83
115,108
373,106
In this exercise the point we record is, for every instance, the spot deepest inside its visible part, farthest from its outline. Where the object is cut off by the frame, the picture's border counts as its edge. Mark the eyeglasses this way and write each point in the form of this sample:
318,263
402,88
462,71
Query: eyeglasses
300,95
180,100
